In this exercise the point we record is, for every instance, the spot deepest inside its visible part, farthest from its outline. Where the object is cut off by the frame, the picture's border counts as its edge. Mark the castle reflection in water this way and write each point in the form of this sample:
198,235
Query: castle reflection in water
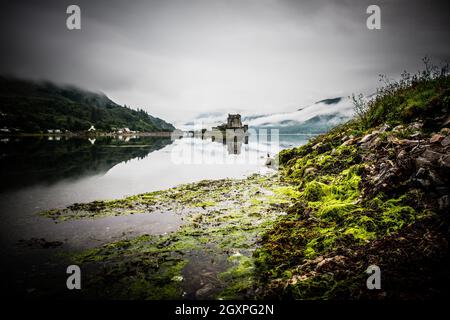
232,139
233,134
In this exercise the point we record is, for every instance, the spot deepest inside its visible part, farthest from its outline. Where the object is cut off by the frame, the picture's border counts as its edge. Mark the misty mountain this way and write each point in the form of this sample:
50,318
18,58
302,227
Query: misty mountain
31,106
318,117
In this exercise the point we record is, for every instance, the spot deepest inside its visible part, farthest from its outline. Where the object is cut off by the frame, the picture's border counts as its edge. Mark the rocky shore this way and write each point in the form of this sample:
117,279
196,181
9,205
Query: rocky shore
374,191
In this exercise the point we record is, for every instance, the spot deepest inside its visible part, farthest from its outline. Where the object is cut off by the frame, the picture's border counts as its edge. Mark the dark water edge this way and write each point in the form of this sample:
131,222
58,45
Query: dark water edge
34,254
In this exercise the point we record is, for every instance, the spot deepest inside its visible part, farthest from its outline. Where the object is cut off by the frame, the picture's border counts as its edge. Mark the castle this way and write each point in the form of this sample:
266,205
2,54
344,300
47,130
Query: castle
233,122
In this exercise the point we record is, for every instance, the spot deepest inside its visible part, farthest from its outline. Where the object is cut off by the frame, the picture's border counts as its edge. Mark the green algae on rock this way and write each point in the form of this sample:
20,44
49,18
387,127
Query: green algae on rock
359,188
224,220
188,197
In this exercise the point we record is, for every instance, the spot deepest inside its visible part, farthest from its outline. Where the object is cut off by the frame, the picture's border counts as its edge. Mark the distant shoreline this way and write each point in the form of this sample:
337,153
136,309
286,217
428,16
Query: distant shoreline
176,133
88,134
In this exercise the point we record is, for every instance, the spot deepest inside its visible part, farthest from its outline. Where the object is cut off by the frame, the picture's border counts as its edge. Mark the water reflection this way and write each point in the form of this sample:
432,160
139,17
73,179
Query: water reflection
40,174
235,139
232,140
29,161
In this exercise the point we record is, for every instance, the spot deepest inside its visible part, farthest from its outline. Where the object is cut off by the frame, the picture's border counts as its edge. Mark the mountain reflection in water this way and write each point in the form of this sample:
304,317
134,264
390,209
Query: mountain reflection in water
29,161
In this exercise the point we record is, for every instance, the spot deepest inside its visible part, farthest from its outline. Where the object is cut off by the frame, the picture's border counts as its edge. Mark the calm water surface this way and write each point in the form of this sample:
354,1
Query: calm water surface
44,173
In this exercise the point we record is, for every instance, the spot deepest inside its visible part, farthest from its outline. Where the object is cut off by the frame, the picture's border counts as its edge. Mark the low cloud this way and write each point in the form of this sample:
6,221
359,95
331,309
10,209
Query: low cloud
179,58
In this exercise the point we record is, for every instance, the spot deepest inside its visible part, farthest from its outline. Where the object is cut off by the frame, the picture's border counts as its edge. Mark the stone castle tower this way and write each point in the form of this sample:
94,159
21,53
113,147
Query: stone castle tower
234,121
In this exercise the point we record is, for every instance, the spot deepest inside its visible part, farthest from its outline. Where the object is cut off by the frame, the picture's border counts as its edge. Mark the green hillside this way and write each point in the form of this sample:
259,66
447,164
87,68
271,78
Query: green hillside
28,106
374,191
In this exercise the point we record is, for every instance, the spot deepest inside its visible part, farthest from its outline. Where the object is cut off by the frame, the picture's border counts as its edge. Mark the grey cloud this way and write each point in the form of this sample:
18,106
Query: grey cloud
176,58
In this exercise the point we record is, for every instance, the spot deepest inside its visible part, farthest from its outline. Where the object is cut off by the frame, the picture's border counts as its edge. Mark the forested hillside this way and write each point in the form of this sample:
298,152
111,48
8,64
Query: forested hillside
28,106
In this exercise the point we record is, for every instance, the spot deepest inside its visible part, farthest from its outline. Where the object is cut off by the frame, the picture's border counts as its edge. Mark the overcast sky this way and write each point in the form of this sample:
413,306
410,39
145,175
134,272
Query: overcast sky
176,58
